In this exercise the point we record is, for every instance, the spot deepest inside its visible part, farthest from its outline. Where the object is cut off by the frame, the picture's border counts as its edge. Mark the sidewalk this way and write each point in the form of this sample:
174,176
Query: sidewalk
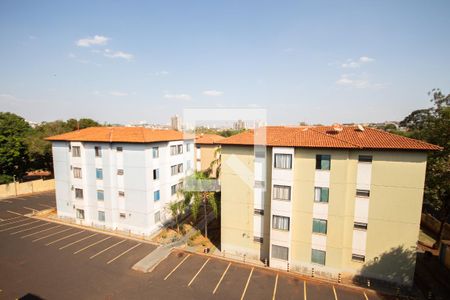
148,263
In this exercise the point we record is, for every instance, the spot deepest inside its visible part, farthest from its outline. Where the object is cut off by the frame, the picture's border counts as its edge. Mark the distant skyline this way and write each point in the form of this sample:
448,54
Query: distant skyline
316,62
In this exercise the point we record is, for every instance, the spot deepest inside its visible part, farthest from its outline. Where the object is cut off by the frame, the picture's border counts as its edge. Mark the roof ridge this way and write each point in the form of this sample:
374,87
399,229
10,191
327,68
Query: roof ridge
341,140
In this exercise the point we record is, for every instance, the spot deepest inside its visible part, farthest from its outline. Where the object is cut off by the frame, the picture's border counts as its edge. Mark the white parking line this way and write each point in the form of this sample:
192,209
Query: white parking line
221,278
98,242
6,201
22,237
195,276
32,209
275,288
52,234
365,296
85,238
174,269
28,229
5,220
13,212
304,290
123,253
335,295
65,237
45,205
246,285
23,219
104,250
6,229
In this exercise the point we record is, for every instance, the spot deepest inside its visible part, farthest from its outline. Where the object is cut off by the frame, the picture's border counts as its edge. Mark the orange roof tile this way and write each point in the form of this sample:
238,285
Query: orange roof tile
208,138
120,134
346,137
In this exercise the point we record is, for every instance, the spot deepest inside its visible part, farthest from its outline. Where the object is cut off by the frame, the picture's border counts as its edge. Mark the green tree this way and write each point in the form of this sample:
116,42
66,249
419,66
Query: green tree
13,147
433,125
201,195
177,209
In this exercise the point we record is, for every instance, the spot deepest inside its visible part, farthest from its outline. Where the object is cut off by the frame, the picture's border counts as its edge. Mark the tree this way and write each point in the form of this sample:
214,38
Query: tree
215,164
197,193
177,209
433,125
13,148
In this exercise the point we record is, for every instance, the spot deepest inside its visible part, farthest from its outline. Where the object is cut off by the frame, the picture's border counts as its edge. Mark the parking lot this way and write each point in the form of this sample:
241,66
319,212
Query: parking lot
25,204
55,261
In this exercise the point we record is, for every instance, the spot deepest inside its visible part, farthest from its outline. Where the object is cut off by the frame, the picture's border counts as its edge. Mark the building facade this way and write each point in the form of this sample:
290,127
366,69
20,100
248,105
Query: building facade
120,177
206,151
325,200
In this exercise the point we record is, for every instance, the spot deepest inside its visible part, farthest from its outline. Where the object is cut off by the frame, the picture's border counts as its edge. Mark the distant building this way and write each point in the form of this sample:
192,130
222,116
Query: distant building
175,122
120,177
239,125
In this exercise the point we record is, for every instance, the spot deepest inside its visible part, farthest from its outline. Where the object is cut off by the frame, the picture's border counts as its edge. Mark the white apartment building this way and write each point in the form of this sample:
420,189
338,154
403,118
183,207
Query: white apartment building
120,177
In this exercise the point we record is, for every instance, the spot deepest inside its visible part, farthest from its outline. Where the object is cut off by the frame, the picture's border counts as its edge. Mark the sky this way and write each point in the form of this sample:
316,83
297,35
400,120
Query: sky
304,61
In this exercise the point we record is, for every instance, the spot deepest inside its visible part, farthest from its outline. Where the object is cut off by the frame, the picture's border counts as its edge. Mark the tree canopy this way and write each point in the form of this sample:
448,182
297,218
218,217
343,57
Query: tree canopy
23,148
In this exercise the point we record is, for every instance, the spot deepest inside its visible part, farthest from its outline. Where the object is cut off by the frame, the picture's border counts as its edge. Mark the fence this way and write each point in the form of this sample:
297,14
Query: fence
16,188
432,224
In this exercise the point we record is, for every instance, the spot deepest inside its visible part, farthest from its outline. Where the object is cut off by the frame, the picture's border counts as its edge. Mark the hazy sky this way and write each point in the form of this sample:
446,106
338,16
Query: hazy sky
317,61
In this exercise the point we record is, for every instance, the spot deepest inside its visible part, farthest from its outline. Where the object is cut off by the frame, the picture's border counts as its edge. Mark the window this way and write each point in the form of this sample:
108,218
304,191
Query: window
99,173
318,256
357,257
258,239
98,151
122,215
119,149
80,214
155,174
320,226
365,158
156,195
155,151
157,217
280,222
323,162
180,149
259,184
360,225
76,172
100,195
76,152
362,193
173,150
282,192
119,171
280,252
121,194
173,170
176,169
283,161
173,189
257,211
188,147
79,193
321,194
101,216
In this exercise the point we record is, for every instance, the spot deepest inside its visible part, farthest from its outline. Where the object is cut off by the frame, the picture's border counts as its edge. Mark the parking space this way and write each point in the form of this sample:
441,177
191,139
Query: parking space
207,277
13,206
46,259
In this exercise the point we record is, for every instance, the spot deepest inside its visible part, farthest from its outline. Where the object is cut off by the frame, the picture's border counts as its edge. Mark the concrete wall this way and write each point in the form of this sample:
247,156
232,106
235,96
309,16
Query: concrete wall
15,189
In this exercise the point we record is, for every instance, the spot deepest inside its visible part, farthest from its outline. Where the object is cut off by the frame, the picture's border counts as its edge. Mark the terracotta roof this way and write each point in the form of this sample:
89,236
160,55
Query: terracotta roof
345,137
120,134
208,138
